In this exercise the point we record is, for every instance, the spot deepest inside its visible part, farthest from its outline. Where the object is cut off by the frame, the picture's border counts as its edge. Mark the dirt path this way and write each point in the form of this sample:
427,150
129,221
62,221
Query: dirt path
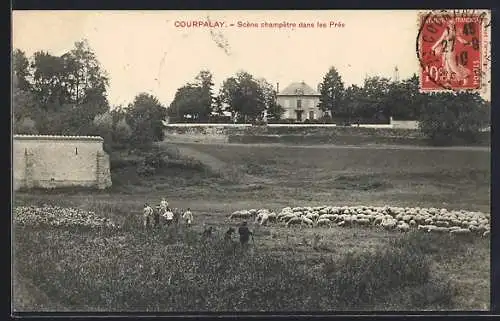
226,170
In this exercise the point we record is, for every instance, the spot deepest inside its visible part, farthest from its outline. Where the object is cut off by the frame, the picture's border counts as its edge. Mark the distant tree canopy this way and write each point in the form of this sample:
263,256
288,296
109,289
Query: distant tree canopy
194,100
332,93
145,115
61,94
67,95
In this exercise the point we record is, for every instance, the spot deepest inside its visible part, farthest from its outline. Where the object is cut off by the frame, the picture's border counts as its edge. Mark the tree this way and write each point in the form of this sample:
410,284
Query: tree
353,103
122,131
188,103
331,92
194,101
274,110
21,71
103,126
69,90
244,97
450,116
375,92
404,101
205,82
145,117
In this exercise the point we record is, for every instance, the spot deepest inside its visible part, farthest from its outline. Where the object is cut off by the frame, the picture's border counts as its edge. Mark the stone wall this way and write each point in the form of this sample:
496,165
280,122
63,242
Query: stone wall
59,161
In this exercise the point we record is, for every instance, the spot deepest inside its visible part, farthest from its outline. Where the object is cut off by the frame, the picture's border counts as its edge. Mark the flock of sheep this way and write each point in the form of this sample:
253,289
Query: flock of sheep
58,216
392,218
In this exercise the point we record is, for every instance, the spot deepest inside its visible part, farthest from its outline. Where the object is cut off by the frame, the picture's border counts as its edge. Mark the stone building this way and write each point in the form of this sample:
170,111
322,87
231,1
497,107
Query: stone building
60,161
300,102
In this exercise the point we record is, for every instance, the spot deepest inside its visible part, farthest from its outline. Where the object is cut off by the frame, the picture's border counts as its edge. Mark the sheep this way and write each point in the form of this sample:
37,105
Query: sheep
389,224
288,218
241,214
272,217
403,227
378,220
262,218
322,222
307,221
293,221
461,231
362,221
326,216
312,216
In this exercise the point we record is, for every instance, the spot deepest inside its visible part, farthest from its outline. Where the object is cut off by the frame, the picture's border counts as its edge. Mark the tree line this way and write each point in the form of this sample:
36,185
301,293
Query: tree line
442,116
67,95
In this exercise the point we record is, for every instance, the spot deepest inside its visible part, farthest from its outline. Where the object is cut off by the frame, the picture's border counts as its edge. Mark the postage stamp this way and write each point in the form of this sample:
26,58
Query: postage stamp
453,49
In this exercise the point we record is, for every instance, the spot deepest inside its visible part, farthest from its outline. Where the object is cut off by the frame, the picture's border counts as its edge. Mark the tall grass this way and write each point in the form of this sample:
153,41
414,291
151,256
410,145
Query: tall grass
155,270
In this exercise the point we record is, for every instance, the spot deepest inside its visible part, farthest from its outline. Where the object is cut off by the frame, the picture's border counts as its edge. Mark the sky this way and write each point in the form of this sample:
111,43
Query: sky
148,51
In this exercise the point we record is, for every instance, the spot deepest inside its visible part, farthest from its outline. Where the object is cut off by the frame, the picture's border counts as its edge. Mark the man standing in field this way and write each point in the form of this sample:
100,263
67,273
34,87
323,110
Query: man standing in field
244,234
169,217
147,214
188,217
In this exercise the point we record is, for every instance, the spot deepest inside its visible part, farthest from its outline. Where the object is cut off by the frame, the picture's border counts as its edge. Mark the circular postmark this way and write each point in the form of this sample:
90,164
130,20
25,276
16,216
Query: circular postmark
452,49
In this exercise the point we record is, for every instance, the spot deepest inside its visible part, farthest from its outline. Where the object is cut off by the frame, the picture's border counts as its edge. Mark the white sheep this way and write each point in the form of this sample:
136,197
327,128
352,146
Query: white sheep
323,222
461,231
307,221
241,214
294,221
362,221
389,224
326,216
403,227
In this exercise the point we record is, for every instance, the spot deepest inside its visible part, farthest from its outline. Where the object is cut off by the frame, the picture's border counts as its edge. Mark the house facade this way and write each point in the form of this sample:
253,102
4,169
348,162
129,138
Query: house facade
300,102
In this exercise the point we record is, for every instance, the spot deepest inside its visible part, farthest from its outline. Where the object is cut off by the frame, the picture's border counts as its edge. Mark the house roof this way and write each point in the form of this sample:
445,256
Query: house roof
298,88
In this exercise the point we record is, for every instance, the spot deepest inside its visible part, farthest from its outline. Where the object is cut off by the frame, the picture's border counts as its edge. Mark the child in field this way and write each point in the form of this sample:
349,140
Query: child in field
169,217
147,214
188,217
156,216
163,204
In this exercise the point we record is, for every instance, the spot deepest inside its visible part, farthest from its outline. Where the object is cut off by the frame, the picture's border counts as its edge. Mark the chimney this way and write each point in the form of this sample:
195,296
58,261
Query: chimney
277,87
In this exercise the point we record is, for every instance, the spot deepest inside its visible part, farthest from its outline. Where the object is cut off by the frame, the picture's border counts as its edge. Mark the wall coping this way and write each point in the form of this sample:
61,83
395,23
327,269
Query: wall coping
58,137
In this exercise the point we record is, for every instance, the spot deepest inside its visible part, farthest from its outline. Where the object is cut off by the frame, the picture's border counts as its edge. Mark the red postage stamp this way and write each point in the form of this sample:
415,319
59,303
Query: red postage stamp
453,50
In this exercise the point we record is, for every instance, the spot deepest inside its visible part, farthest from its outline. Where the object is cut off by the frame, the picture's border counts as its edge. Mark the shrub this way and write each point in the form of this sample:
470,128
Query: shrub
122,131
25,126
450,118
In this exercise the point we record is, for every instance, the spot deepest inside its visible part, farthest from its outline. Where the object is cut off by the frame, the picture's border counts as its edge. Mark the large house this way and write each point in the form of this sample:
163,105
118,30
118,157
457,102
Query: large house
300,102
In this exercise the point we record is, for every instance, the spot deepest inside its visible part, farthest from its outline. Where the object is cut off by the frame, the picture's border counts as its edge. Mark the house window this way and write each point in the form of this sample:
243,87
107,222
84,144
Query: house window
76,150
299,103
311,114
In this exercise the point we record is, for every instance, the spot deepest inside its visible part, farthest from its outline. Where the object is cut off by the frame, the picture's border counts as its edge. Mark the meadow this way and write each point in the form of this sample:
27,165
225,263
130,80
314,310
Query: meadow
286,269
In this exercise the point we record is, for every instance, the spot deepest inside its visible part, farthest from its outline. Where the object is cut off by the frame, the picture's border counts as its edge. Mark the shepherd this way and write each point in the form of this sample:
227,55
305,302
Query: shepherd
245,234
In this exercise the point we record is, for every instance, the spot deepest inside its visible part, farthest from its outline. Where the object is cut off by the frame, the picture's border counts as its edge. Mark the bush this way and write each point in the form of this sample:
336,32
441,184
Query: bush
450,118
122,131
25,126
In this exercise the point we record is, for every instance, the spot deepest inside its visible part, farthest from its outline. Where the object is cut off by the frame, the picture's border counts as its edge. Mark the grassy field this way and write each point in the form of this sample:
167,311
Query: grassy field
286,269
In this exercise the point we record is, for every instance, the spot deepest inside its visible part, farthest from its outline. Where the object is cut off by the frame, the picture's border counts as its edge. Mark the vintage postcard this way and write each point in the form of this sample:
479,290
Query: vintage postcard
235,162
